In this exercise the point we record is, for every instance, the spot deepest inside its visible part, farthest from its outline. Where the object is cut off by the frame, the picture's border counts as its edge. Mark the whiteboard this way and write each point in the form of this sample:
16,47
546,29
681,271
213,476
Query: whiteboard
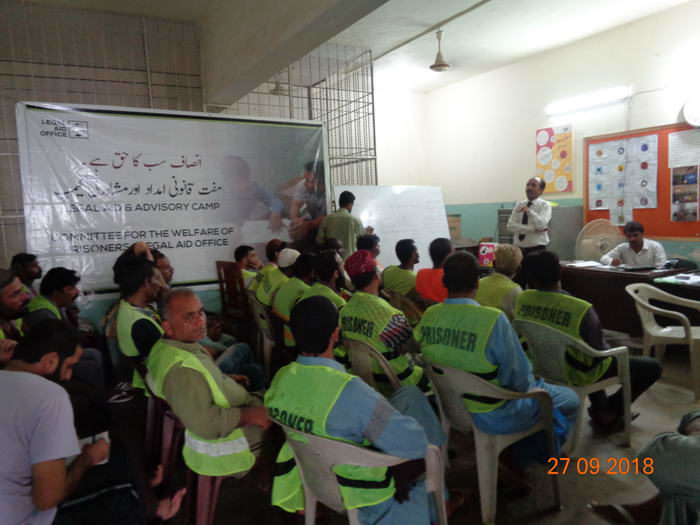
401,212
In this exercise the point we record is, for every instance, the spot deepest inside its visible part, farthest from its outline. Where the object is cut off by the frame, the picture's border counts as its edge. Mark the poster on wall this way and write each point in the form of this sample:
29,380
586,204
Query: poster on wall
193,185
684,148
684,194
553,151
622,176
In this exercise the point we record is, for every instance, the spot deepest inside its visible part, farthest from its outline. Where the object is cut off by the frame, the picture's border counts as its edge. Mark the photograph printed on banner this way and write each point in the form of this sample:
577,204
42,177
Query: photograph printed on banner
684,194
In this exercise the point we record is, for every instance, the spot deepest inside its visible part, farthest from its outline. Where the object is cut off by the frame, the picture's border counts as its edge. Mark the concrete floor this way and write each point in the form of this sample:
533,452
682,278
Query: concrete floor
661,409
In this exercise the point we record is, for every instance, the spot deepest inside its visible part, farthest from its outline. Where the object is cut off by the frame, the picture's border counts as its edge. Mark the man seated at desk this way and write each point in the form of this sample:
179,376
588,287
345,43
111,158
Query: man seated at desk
638,251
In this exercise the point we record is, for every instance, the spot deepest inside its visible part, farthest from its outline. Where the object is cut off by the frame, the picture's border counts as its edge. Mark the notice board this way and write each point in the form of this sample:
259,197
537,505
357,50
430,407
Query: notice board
657,220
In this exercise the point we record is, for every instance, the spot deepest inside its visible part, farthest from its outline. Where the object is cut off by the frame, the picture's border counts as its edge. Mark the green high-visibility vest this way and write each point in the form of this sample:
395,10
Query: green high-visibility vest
293,403
364,318
399,280
457,335
324,291
127,315
39,302
270,283
285,299
18,325
564,313
493,289
210,457
249,279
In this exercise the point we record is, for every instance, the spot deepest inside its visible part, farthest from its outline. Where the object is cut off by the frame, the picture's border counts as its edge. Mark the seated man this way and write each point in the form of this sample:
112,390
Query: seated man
249,263
57,293
26,267
163,264
223,422
370,319
369,242
498,290
323,399
36,427
13,306
578,318
276,277
272,252
429,280
672,463
402,278
638,251
480,340
327,267
290,292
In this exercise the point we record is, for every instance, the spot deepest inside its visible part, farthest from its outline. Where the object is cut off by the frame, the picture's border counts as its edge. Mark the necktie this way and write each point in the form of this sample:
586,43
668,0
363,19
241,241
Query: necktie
526,217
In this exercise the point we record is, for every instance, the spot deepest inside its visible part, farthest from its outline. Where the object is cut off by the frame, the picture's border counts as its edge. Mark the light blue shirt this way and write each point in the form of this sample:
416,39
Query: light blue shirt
362,413
514,373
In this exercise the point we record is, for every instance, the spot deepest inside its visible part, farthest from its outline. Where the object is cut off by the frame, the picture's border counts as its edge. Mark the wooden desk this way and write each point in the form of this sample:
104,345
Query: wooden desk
605,289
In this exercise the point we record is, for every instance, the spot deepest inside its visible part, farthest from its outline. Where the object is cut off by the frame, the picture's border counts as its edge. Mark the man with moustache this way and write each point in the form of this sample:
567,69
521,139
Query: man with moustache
13,306
26,267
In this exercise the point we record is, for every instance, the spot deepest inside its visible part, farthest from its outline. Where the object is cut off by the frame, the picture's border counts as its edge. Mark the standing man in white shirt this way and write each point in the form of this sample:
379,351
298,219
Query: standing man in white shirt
529,222
638,251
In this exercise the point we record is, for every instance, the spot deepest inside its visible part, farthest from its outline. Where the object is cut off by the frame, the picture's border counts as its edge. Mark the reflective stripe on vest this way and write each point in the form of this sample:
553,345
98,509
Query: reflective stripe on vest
457,335
493,289
363,319
564,313
290,402
39,302
210,457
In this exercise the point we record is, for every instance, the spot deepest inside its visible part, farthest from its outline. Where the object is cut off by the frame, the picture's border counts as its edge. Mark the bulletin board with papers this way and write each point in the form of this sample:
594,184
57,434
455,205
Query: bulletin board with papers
647,175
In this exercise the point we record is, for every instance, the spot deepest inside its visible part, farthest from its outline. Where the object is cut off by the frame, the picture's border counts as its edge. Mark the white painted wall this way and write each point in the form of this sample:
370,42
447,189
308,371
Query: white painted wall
475,138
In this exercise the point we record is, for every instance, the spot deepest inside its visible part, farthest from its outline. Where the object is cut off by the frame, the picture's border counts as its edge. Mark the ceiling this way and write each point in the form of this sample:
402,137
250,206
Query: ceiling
491,34
494,33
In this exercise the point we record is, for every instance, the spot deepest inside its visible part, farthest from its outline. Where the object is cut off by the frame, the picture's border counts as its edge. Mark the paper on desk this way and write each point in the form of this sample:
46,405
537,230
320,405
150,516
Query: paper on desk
584,264
259,232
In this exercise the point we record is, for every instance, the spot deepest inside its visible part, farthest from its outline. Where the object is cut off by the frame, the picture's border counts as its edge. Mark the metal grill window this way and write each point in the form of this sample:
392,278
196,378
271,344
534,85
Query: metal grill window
333,84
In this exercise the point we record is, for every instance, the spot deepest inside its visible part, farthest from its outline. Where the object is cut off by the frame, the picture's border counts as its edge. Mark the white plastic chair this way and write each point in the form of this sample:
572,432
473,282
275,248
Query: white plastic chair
658,336
316,456
361,356
450,385
546,348
265,329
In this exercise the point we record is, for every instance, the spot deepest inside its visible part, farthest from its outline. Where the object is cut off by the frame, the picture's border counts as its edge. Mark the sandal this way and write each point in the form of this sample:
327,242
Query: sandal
623,517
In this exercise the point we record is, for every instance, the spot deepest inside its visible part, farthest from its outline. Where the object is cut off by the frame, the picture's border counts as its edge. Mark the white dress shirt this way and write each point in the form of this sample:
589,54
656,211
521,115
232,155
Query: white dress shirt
539,216
651,254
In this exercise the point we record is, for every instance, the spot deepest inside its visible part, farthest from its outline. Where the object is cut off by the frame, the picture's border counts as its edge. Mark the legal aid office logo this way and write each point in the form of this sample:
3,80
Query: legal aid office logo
78,129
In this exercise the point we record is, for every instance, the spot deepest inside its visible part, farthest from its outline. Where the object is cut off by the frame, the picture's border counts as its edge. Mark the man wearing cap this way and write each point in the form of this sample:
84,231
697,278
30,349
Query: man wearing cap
370,319
315,394
478,339
342,225
13,306
276,277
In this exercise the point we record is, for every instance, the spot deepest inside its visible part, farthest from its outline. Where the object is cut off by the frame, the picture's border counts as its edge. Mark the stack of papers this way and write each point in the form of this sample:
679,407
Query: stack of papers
584,264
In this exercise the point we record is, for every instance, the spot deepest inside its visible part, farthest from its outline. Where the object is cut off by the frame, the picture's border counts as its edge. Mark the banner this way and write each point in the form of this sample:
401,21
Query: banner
193,185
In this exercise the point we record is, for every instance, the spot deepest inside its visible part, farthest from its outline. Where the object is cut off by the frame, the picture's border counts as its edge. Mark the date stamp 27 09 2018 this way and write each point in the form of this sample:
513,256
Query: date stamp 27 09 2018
595,466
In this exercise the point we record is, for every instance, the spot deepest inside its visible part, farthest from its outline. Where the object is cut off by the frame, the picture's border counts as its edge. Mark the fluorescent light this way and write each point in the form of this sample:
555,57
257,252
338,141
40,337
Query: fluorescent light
588,100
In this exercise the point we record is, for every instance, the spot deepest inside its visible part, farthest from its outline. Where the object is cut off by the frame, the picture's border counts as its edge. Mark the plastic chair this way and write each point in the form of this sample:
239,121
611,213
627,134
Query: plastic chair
547,351
658,336
412,312
451,384
361,356
316,456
